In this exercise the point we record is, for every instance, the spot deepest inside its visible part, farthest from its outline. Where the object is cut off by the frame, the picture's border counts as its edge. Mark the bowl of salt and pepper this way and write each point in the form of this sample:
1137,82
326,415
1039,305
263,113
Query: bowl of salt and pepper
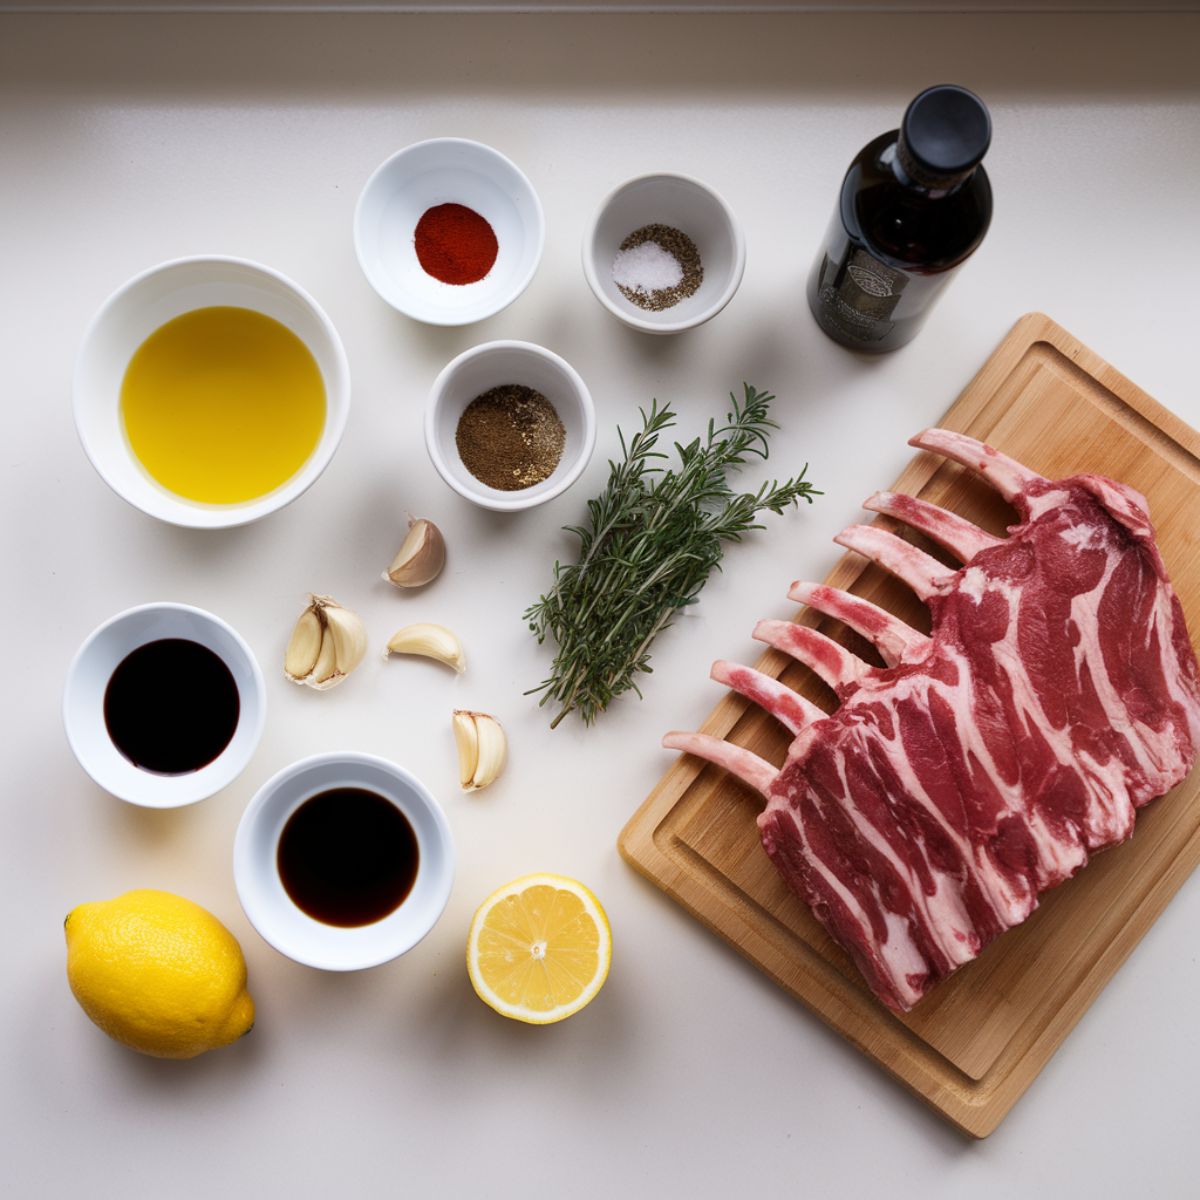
449,232
664,253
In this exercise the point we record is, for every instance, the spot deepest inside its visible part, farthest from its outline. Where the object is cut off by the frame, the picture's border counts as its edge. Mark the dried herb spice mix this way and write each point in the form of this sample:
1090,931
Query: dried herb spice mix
510,438
657,266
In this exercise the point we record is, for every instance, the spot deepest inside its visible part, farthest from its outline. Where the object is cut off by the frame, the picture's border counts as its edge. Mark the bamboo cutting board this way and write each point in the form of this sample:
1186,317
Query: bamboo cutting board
974,1045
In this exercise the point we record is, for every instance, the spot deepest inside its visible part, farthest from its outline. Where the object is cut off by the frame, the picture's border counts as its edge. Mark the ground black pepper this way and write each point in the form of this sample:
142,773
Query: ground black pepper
510,437
681,247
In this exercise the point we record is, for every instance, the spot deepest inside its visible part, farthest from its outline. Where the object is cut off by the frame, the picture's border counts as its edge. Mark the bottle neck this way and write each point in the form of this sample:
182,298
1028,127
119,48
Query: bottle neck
911,172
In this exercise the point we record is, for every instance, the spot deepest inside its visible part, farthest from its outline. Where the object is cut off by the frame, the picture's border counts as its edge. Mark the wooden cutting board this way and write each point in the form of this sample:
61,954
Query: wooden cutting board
974,1045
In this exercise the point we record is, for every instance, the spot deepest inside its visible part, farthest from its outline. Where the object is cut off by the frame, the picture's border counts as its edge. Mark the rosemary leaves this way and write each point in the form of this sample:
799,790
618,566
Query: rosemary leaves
653,537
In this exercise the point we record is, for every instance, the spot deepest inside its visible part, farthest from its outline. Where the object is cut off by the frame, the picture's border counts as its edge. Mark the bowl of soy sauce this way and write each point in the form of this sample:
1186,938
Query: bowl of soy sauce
164,705
343,861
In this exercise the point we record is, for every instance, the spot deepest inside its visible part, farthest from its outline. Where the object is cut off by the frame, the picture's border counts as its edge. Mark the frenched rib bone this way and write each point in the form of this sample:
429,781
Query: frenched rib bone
753,771
788,707
835,664
949,530
895,640
1056,694
922,572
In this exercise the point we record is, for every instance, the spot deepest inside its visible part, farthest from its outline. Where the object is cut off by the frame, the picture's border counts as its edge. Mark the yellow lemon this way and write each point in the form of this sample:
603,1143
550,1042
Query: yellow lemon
539,949
158,973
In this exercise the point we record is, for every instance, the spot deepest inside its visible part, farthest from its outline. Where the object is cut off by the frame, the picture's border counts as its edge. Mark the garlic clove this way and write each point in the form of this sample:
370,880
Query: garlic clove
421,558
482,749
304,647
325,673
467,740
327,643
349,636
430,641
493,751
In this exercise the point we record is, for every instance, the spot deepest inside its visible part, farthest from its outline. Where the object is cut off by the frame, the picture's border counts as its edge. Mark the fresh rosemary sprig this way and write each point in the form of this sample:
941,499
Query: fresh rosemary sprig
653,537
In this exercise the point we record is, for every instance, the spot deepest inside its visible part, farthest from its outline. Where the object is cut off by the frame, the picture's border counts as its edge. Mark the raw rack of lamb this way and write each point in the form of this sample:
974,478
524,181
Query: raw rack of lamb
1056,694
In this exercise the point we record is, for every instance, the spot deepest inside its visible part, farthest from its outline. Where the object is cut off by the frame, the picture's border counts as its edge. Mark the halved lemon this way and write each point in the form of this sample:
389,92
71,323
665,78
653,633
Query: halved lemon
539,949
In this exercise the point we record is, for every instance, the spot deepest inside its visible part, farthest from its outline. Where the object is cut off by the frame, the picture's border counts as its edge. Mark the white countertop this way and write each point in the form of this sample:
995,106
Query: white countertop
127,140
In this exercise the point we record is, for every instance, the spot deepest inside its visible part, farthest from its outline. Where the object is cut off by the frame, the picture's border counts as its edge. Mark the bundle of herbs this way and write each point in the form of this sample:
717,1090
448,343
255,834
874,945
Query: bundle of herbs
653,537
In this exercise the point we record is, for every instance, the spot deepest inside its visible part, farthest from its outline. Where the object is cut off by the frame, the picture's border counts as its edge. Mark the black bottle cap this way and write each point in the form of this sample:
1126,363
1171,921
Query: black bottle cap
945,133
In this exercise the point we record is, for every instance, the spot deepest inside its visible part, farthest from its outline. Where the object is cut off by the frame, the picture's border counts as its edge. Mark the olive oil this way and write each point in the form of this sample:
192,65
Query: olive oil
171,706
222,405
348,857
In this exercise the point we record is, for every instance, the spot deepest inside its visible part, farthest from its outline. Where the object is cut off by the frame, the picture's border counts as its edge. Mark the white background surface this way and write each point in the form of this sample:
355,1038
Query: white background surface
127,140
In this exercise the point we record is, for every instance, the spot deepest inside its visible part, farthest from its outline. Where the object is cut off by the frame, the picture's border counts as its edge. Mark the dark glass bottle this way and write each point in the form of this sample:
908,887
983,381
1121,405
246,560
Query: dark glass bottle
915,204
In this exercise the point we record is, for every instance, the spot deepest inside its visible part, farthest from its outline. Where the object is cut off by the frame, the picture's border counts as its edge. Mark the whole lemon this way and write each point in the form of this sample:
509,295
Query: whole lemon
158,973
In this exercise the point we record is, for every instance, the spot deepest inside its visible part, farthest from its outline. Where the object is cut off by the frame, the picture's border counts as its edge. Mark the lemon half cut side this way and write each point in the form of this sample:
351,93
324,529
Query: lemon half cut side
539,949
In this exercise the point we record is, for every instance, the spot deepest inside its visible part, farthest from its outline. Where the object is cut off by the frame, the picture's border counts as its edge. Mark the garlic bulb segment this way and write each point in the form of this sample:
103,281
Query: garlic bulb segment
429,641
327,643
304,647
482,749
420,560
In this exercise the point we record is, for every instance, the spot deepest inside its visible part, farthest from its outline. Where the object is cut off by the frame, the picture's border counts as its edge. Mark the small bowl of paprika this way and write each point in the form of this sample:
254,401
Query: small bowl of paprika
449,231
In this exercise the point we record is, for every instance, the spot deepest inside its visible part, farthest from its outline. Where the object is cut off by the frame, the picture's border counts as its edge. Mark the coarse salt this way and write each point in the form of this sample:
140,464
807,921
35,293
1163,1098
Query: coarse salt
646,268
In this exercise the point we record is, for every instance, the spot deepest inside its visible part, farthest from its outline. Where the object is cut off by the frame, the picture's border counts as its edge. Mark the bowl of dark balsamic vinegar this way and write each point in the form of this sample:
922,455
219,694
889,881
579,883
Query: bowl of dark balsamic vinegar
164,705
343,861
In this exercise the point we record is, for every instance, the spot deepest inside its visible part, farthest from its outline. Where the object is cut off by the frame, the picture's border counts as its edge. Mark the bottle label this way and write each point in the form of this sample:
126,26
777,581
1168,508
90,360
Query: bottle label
857,301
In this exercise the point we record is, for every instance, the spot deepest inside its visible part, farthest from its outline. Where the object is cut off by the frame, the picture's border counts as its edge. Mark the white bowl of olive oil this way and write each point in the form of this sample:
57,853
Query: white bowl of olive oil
211,391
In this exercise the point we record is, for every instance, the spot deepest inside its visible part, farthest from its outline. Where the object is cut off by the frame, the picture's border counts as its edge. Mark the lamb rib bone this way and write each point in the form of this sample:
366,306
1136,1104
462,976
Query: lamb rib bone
790,708
952,532
895,640
835,664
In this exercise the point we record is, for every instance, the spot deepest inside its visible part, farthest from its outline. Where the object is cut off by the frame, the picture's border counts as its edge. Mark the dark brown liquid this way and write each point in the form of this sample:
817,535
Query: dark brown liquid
348,857
171,706
892,246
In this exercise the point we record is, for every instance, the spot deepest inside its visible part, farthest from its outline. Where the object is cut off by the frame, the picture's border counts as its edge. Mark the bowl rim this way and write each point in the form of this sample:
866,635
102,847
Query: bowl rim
337,407
519,501
678,326
243,861
505,299
71,681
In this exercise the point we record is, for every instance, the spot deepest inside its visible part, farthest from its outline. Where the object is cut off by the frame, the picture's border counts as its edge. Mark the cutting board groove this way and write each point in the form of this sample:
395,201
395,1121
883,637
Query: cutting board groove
974,1045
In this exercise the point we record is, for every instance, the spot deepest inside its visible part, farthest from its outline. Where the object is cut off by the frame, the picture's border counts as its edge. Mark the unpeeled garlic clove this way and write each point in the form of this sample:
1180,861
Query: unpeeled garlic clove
482,748
420,560
430,641
328,642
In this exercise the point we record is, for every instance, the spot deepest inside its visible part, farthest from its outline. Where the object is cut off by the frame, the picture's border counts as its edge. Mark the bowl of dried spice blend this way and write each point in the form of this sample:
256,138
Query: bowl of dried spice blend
509,425
449,231
664,253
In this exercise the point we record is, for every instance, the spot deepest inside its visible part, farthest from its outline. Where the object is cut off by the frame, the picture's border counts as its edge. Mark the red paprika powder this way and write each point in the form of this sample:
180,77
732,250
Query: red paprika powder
455,244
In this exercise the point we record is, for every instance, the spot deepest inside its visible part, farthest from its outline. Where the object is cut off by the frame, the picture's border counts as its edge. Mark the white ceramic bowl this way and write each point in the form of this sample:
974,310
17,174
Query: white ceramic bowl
447,171
141,306
691,207
292,931
492,365
83,704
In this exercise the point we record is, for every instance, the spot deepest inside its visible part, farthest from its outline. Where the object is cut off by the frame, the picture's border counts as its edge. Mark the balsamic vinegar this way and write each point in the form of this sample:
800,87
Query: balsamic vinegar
171,706
348,857
914,205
